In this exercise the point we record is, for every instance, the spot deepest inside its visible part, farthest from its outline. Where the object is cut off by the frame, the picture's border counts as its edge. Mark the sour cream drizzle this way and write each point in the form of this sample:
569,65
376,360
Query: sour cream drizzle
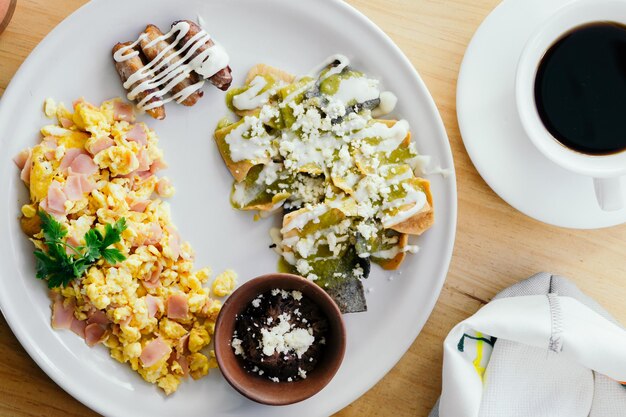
343,63
165,72
251,99
391,253
415,198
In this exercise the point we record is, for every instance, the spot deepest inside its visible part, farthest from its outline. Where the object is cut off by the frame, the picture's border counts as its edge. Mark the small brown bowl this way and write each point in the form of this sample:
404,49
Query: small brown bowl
260,389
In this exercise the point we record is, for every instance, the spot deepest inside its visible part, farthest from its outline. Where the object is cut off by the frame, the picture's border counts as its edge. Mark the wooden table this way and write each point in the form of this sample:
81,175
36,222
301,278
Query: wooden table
496,245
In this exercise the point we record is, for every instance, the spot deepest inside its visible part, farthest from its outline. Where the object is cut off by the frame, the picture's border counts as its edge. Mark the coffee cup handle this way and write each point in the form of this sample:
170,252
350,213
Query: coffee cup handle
609,193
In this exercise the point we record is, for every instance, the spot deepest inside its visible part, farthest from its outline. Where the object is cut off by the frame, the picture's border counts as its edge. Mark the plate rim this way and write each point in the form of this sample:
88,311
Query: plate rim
442,266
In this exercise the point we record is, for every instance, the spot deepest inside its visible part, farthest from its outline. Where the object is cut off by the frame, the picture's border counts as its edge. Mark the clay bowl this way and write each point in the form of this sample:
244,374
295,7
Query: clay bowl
261,389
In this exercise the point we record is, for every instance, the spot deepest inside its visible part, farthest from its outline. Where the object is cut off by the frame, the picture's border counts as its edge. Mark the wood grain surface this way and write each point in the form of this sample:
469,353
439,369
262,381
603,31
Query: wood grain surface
496,246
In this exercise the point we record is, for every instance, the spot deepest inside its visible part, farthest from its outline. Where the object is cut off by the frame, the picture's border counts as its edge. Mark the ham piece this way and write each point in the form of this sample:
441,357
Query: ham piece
177,306
72,241
72,188
184,364
66,123
56,197
101,144
137,134
62,316
182,347
83,164
157,165
123,111
98,317
154,351
154,234
139,205
23,160
94,333
174,242
144,160
78,327
77,185
153,305
162,187
69,157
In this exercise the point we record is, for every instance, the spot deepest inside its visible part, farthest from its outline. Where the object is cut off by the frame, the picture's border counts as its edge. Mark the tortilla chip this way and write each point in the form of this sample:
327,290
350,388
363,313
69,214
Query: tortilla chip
347,291
391,123
422,220
240,169
349,295
394,263
262,69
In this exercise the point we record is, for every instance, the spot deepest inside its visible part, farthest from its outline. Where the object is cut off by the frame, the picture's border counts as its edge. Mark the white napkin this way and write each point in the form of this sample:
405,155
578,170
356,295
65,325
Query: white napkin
540,349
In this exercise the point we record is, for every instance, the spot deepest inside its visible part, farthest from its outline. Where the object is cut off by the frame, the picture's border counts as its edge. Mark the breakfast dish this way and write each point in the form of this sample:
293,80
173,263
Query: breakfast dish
176,63
118,270
280,336
314,148
398,303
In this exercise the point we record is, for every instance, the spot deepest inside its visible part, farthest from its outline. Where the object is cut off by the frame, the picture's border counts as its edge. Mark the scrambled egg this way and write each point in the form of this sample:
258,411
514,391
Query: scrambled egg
225,283
133,294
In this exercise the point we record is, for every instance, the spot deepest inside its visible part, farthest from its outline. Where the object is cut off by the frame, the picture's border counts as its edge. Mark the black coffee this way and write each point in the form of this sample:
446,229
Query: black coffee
580,89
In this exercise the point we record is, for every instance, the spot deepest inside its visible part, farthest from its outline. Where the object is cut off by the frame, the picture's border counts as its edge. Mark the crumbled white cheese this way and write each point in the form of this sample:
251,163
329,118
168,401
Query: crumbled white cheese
236,344
268,113
303,266
282,339
367,230
358,272
299,340
334,109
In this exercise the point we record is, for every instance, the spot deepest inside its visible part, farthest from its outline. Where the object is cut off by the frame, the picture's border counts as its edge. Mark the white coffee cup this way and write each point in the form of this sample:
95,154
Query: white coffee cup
605,170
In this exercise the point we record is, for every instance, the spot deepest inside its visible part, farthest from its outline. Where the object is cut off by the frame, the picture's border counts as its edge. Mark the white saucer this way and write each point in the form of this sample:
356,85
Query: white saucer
494,137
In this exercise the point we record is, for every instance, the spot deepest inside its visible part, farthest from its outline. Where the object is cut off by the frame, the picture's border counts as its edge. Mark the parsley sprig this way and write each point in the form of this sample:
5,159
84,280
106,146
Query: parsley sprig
59,268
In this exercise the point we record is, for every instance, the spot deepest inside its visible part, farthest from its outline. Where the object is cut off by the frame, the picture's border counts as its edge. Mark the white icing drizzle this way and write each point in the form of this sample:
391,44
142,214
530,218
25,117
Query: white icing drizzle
164,72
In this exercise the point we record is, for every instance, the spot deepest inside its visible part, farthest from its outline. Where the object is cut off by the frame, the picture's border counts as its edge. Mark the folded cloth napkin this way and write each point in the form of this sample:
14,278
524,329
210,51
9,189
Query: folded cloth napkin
540,348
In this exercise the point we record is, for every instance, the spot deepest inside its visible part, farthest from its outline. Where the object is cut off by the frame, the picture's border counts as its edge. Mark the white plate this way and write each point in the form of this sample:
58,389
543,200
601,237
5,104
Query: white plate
494,137
74,60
